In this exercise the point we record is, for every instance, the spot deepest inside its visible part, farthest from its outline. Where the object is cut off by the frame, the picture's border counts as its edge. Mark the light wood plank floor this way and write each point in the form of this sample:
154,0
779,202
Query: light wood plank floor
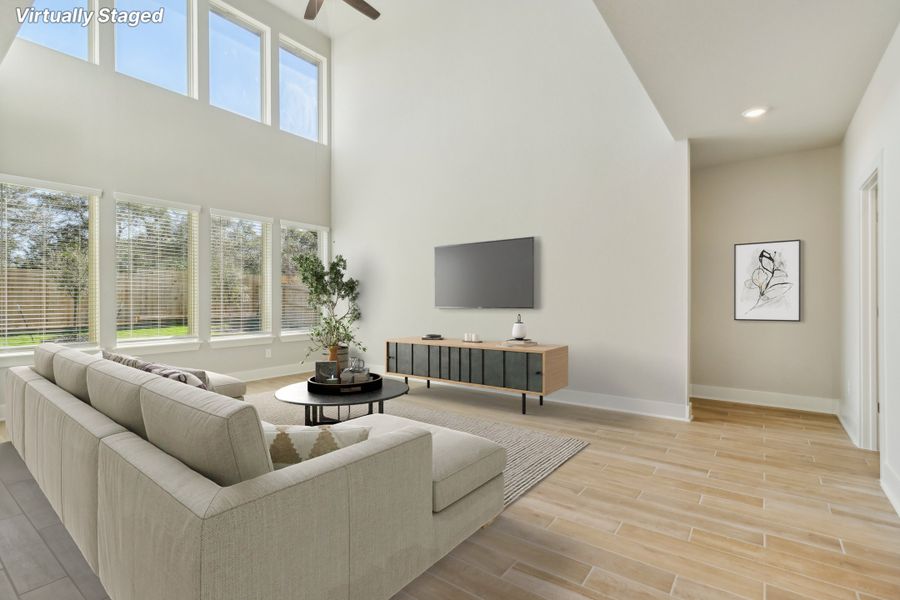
744,502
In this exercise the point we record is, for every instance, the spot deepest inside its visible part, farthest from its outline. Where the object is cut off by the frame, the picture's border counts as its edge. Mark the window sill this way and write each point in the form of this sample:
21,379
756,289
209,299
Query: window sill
234,341
294,336
25,358
16,359
160,346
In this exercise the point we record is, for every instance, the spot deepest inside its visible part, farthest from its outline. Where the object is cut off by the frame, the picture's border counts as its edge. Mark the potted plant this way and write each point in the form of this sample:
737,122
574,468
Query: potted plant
334,296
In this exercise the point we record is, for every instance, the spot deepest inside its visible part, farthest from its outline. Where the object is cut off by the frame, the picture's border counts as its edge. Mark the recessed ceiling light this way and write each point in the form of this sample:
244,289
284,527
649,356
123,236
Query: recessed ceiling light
755,112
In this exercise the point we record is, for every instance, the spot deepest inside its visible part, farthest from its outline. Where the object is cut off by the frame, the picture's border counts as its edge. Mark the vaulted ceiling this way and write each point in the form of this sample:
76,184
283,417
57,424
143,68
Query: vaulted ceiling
703,62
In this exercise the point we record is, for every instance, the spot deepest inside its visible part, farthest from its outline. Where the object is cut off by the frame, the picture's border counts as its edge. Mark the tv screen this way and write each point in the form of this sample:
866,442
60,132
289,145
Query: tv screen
485,275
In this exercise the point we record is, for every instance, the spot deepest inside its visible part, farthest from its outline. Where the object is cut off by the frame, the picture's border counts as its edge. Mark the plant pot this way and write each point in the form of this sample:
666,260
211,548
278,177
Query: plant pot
341,355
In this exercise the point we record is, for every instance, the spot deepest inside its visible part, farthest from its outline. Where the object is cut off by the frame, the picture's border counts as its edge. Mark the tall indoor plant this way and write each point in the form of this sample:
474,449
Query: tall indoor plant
334,296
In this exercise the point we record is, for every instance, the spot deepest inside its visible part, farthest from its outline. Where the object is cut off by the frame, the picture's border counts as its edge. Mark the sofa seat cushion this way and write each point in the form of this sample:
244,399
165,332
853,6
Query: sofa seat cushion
220,438
70,370
461,462
226,385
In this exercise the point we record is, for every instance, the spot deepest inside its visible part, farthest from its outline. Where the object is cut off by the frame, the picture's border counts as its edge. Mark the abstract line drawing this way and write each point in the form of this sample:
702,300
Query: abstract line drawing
767,281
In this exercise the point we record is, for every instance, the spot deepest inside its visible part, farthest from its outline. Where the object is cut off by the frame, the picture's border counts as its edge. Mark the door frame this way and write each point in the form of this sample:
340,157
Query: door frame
871,339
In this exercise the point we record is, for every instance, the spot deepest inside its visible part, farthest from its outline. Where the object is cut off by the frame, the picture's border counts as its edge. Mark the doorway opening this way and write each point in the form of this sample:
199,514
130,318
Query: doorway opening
870,338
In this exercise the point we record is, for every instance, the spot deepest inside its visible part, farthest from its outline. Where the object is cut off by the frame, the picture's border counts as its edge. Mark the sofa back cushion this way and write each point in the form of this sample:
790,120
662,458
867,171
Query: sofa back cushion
218,437
70,372
115,390
43,359
17,379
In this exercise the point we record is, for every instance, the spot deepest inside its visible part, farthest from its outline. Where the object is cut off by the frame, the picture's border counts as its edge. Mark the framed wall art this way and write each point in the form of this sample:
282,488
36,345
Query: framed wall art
767,281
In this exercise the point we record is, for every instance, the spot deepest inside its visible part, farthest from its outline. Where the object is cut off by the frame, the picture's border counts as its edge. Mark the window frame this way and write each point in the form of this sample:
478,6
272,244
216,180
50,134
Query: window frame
192,340
266,333
245,21
192,56
323,238
11,355
93,33
305,53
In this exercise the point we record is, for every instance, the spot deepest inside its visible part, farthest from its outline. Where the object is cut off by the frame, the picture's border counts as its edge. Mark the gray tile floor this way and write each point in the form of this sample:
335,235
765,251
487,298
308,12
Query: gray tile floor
39,560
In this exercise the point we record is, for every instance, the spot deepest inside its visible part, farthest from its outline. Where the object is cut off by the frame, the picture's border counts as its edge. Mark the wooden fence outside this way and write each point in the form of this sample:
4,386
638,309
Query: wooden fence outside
32,303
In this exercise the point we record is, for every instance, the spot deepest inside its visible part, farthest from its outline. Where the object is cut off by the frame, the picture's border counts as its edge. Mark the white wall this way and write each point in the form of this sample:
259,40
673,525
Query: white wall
783,197
9,25
66,120
873,141
467,121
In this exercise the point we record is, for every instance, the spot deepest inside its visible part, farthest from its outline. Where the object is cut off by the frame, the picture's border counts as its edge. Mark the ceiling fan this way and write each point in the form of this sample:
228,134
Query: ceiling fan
312,9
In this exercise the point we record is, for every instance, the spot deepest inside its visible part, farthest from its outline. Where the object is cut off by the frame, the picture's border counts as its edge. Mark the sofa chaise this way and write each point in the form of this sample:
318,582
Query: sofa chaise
170,494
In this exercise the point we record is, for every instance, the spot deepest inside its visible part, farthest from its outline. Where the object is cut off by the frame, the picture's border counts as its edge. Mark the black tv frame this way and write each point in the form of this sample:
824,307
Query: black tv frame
533,273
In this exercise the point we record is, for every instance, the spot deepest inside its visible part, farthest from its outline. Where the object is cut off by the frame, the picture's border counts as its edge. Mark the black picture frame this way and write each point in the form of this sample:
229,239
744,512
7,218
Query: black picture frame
798,278
325,370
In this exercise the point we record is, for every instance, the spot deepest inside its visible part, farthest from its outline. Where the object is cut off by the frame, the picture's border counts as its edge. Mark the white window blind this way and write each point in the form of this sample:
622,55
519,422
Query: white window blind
48,263
156,263
296,315
241,259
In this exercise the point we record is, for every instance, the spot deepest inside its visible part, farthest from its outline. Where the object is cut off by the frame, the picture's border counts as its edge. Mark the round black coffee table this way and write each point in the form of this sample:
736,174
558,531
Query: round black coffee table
314,403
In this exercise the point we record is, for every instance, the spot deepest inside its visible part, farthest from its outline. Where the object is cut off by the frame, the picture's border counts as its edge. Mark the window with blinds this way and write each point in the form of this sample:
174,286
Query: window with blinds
296,315
240,261
156,270
48,263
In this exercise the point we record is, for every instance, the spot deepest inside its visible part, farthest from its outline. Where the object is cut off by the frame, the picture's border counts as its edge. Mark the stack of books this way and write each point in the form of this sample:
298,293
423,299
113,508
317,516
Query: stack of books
511,343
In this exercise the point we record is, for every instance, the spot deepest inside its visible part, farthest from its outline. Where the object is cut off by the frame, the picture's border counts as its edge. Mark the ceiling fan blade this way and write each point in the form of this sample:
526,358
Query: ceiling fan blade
364,7
312,9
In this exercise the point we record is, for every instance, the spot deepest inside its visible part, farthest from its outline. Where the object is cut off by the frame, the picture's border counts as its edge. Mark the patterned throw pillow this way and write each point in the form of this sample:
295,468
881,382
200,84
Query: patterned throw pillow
174,374
177,373
123,359
291,444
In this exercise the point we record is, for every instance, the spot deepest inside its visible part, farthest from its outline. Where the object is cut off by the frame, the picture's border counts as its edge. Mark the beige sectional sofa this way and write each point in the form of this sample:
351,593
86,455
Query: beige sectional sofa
169,490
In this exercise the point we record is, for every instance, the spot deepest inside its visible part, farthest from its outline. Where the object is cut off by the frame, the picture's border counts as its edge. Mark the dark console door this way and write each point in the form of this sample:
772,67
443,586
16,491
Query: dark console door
535,372
404,359
476,366
516,371
493,368
420,360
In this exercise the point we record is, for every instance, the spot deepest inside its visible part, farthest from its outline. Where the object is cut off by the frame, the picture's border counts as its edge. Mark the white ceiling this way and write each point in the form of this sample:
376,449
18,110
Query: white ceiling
704,61
335,18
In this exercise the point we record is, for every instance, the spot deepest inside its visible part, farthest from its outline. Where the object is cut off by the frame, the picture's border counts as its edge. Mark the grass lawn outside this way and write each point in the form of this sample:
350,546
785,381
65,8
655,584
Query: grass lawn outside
26,339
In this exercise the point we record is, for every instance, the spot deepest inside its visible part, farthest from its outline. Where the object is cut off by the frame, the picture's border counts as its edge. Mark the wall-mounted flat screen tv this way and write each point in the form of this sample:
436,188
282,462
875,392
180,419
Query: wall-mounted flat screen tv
496,274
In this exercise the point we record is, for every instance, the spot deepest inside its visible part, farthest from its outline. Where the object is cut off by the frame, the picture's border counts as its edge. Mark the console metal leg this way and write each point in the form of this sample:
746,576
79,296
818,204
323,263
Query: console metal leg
542,400
523,404
406,380
306,420
428,383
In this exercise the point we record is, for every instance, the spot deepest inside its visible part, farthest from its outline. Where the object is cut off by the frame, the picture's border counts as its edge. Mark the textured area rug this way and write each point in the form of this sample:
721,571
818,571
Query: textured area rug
531,455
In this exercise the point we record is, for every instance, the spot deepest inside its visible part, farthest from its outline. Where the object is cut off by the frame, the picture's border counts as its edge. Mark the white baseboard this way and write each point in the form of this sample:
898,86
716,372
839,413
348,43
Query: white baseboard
760,398
890,483
650,408
636,406
850,431
276,371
